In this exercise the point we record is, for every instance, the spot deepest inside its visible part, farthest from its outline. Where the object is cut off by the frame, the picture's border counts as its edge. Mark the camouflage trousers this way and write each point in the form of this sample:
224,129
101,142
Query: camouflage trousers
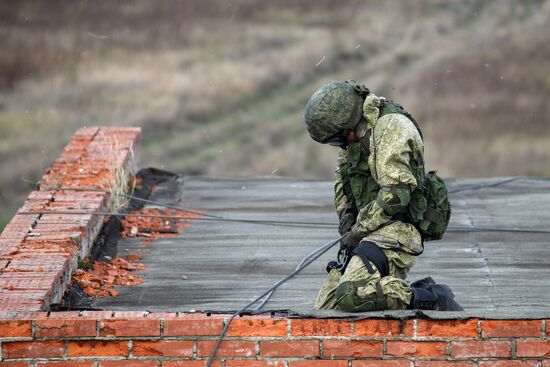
357,290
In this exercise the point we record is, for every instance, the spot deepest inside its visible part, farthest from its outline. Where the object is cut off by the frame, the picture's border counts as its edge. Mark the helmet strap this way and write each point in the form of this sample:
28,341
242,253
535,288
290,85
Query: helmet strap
361,128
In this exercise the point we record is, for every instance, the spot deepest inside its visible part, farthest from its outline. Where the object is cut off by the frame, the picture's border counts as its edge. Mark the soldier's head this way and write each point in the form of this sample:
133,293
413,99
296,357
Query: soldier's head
334,110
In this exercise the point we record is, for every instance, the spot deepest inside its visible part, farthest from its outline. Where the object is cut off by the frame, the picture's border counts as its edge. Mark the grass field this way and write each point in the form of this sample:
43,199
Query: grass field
219,87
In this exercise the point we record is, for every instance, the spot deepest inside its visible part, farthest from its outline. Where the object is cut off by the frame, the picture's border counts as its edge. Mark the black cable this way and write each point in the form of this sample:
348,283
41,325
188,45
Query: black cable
317,254
497,183
178,208
132,197
182,217
484,185
281,223
495,229
284,223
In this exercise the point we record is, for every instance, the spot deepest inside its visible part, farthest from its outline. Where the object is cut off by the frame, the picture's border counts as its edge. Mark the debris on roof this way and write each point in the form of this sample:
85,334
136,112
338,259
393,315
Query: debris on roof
101,279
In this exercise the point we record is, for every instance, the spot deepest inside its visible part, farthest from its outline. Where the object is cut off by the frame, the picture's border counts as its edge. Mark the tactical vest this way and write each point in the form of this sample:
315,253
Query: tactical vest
429,209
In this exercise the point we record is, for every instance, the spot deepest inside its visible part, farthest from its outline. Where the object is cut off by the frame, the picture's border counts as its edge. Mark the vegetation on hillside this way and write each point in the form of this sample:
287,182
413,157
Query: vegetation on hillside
219,86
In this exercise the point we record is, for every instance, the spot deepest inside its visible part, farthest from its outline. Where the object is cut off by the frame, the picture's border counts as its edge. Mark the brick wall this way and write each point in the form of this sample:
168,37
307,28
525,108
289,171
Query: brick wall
169,340
38,252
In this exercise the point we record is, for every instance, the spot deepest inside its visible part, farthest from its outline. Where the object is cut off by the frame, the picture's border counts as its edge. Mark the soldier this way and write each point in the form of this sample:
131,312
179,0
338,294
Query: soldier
380,168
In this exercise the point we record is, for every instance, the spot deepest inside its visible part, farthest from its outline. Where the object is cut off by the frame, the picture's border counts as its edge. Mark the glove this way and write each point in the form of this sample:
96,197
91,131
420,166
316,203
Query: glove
346,222
351,240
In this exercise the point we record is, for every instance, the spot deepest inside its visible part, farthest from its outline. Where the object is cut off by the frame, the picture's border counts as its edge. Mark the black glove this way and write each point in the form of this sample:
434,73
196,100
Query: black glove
350,240
346,222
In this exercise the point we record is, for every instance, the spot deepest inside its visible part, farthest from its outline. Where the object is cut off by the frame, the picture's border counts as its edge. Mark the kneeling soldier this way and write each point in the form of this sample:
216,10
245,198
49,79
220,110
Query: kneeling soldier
380,200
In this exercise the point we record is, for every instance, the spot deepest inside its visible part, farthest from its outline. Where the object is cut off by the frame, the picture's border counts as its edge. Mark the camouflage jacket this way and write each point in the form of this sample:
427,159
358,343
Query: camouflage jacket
392,142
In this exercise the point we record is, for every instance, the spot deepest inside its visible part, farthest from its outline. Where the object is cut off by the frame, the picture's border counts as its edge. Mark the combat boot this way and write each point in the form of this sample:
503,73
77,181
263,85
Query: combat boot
427,295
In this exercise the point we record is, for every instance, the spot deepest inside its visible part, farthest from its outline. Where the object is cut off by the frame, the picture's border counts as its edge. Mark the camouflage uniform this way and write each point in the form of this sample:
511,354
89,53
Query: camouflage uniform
390,145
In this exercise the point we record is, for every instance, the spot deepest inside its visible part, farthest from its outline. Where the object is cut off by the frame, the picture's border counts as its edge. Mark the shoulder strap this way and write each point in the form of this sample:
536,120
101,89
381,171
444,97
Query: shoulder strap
390,106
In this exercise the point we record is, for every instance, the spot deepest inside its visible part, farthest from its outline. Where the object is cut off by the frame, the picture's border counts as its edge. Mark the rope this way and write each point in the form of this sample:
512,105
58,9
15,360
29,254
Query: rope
258,308
303,264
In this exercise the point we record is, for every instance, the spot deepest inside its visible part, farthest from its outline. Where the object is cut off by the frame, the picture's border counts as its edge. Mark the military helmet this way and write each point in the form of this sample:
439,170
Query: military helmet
333,110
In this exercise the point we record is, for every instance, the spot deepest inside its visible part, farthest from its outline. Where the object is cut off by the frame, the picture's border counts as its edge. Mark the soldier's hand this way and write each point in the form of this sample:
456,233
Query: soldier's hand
350,240
346,222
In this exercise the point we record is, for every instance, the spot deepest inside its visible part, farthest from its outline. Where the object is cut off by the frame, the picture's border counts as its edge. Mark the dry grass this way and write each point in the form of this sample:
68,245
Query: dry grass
219,87
120,174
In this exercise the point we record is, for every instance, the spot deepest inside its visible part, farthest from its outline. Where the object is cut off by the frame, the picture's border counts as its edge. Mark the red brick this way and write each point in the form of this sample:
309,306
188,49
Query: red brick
66,364
546,363
64,327
416,349
375,328
511,328
97,348
193,326
14,364
320,327
317,363
166,348
257,326
374,363
228,348
33,349
129,327
294,348
508,363
446,328
443,364
15,329
533,348
250,363
127,363
352,348
465,349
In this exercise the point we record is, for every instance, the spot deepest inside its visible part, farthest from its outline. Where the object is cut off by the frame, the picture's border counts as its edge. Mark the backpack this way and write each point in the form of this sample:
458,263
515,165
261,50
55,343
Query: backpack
429,210
434,220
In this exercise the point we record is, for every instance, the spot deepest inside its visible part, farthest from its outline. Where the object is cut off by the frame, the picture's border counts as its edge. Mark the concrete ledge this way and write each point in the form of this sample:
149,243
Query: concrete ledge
39,252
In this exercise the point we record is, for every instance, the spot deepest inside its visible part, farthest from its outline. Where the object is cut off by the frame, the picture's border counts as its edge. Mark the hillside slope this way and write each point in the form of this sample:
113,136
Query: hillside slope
219,87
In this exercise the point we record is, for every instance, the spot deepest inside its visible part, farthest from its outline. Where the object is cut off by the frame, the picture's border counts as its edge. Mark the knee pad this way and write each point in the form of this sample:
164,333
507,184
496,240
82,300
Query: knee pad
348,300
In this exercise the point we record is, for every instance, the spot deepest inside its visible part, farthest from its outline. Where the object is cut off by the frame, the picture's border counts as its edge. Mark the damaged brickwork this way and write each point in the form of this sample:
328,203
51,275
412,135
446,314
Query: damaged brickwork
39,252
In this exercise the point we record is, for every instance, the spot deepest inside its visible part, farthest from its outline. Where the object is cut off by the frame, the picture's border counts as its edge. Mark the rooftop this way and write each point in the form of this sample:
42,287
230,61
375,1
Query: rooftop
495,255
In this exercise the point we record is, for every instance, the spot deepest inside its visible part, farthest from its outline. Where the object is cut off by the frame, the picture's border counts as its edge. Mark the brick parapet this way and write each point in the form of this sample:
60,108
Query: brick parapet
187,339
38,252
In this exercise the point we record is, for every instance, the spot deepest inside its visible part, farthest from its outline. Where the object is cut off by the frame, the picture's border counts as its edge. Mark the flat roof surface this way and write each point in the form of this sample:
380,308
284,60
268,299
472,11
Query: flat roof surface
220,266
